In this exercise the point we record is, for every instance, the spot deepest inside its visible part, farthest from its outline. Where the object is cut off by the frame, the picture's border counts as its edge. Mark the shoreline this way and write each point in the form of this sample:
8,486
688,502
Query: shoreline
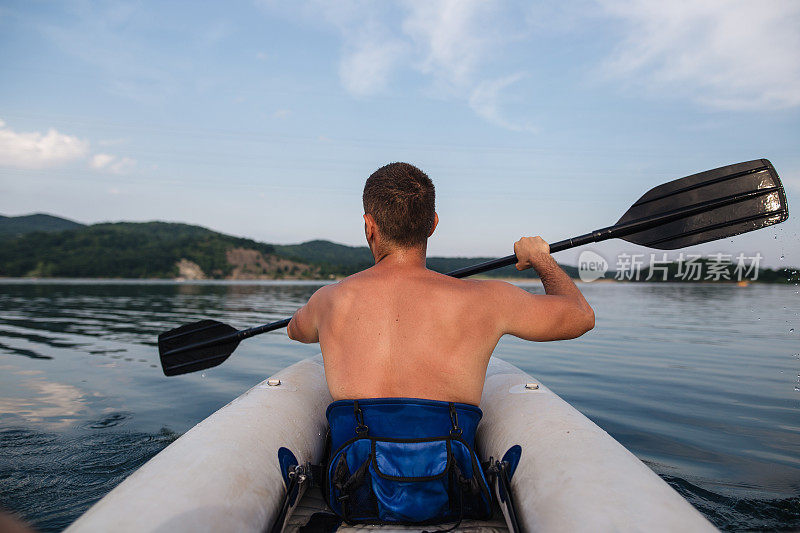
315,281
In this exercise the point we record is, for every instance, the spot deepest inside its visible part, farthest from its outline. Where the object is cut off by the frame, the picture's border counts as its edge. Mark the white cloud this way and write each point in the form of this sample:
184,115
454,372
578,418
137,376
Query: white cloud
453,37
448,41
485,101
368,64
112,163
733,54
99,161
282,113
123,165
457,42
372,48
36,150
730,54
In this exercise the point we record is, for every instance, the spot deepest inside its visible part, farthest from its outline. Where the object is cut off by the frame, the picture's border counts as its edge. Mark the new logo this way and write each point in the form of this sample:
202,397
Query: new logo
591,266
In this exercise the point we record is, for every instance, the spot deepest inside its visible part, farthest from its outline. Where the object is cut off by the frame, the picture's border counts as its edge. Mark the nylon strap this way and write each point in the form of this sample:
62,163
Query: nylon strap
361,428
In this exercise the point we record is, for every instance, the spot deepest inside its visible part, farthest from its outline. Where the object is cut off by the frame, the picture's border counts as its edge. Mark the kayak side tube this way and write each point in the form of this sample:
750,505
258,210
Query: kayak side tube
572,475
223,474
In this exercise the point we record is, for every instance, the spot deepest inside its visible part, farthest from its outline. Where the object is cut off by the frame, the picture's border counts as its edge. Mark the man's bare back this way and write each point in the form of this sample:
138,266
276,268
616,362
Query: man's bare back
398,329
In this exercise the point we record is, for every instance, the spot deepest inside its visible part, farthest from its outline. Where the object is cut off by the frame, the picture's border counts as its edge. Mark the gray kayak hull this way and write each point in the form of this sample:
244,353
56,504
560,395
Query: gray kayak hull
223,474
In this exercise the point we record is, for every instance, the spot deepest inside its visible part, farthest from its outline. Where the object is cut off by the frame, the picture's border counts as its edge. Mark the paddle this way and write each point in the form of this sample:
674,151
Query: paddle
703,207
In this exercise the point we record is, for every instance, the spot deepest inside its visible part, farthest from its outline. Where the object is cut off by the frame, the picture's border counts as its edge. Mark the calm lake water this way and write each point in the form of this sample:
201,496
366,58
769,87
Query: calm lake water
699,381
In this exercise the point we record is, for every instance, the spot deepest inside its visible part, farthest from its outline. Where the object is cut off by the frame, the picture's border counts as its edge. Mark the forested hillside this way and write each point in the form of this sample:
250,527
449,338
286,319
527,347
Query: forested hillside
34,246
16,226
141,250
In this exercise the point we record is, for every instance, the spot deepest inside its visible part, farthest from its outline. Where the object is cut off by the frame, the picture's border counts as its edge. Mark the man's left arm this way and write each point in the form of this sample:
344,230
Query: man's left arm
304,325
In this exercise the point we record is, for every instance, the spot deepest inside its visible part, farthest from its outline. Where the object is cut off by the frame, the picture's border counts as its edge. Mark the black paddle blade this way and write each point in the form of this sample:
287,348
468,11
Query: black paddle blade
196,346
712,205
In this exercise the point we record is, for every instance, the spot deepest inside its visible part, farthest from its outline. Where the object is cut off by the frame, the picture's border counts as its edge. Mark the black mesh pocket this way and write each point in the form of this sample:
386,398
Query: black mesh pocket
352,492
362,503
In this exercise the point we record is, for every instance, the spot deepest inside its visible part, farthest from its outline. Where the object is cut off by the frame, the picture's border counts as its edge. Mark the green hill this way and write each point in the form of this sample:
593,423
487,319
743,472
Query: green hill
141,250
16,226
37,248
332,257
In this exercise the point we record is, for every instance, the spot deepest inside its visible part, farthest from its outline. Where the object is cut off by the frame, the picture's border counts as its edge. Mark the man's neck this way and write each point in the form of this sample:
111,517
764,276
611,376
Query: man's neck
400,257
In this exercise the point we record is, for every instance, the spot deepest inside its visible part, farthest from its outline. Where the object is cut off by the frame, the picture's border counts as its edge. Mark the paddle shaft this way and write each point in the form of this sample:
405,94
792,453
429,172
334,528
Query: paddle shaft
610,232
616,231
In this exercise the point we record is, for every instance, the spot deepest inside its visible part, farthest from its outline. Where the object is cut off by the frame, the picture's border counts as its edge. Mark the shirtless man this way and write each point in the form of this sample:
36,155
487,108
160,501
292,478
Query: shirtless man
398,329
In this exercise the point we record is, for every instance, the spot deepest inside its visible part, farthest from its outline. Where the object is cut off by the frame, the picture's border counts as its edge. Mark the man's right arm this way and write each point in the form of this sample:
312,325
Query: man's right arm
304,325
561,313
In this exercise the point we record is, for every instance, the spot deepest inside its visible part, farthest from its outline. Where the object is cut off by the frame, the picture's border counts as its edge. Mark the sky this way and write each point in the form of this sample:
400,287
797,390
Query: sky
263,118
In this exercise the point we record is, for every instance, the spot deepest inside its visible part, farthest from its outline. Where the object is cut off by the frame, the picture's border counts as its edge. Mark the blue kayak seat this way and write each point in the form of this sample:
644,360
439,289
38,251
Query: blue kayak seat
404,461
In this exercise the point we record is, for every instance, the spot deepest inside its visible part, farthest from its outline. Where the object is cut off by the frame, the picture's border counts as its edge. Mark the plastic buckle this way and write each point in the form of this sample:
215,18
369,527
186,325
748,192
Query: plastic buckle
455,431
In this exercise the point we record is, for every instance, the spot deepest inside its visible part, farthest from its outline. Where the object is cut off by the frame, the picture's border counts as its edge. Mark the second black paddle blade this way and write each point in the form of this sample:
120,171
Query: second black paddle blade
711,205
195,346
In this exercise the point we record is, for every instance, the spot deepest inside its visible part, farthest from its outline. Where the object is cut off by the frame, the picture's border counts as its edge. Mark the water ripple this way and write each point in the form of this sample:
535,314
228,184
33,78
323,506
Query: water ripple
50,479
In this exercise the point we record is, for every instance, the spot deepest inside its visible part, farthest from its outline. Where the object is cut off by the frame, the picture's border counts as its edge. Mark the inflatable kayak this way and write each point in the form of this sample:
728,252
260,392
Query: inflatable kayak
224,474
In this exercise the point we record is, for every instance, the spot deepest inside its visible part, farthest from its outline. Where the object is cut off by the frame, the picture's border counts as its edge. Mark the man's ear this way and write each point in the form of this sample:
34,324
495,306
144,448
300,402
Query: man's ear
369,227
435,223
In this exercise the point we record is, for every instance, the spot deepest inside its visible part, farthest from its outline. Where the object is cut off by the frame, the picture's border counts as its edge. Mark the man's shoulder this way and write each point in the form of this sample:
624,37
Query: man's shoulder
343,286
477,284
489,290
351,281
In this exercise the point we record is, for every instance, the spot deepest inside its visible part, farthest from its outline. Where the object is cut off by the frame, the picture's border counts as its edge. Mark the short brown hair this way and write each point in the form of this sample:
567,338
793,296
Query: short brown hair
402,200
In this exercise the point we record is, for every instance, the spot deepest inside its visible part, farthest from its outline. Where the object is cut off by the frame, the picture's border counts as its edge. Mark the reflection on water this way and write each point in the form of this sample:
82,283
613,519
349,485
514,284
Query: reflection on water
41,401
697,380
